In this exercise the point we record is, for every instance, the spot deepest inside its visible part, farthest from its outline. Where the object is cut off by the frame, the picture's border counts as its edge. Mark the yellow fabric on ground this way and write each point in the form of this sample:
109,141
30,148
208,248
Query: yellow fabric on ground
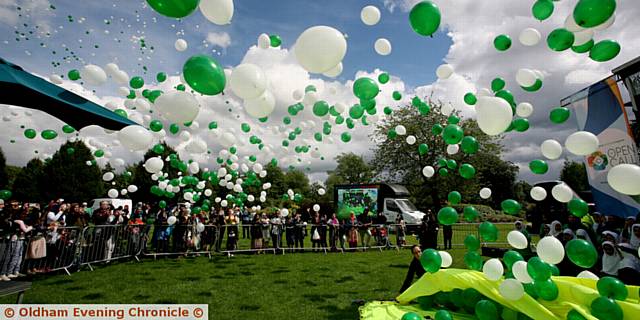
574,293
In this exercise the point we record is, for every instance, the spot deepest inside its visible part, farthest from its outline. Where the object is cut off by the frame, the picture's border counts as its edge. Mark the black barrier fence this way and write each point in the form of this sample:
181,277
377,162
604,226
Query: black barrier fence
69,248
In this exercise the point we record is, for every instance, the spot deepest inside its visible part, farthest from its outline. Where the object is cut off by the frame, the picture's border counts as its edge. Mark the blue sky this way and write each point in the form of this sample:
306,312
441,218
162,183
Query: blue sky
414,58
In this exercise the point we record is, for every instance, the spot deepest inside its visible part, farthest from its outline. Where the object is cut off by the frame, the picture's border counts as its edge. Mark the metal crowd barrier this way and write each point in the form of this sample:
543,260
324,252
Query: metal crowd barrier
61,245
177,239
111,242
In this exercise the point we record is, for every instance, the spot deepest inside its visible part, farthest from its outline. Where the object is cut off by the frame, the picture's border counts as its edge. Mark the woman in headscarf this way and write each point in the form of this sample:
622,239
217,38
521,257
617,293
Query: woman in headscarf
611,258
556,229
567,235
610,236
634,240
629,266
546,230
627,229
584,235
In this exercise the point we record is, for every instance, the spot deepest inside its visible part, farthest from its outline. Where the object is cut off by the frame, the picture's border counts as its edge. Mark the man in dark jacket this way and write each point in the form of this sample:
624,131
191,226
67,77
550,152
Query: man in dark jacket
415,268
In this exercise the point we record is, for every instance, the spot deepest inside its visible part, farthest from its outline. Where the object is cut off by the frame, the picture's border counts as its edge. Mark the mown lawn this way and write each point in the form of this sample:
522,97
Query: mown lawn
293,286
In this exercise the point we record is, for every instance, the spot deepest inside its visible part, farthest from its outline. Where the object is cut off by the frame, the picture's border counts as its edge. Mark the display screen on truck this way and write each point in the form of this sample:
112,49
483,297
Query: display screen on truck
356,200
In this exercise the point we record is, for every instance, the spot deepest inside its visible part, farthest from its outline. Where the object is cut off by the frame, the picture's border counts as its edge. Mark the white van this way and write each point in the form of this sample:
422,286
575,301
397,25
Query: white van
114,202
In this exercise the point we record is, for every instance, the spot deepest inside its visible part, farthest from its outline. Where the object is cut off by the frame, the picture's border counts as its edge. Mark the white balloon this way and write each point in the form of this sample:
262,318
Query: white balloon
550,250
401,130
484,92
530,37
562,192
582,37
200,227
262,106
370,15
446,109
132,188
493,269
181,45
340,107
248,81
382,47
153,165
171,220
333,72
185,135
551,149
447,260
178,106
310,98
453,149
538,193
321,191
111,69
582,143
224,203
121,77
316,207
320,48
571,25
586,274
284,212
410,140
264,41
196,146
55,79
135,137
93,75
485,193
428,171
526,77
194,167
519,269
494,115
112,193
524,109
625,178
219,12
517,240
108,176
511,289
444,71
208,192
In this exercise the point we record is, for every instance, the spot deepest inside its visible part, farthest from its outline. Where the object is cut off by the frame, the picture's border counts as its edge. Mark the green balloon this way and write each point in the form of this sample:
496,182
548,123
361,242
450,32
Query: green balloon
502,42
470,99
535,87
356,111
443,315
471,242
365,88
436,129
470,213
542,9
204,75
469,145
383,78
447,216
121,112
155,125
604,308
452,164
583,48
73,74
396,96
511,206
411,316
5,194
98,153
424,109
392,134
30,133
611,287
581,253
345,137
497,84
275,40
174,8
604,50
68,129
443,172
452,134
507,96
71,150
431,260
530,290
425,18
48,134
320,108
473,260
426,302
520,124
174,128
578,207
559,115
510,257
161,76
467,171
486,310
423,149
560,39
453,119
158,148
538,269
245,127
136,82
454,197
488,231
575,315
546,289
591,13
538,166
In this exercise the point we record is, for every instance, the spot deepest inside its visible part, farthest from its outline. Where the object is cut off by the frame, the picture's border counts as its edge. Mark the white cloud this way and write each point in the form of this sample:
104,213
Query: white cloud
220,39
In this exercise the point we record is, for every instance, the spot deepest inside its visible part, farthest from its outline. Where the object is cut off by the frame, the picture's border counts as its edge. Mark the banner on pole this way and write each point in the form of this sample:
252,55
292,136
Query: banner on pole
600,110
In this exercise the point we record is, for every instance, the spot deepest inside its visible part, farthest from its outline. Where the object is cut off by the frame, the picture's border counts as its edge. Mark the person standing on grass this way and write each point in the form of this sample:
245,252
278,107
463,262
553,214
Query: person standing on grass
246,222
322,229
364,223
401,231
447,235
315,232
256,234
333,231
232,230
298,231
266,235
352,231
289,232
415,268
276,230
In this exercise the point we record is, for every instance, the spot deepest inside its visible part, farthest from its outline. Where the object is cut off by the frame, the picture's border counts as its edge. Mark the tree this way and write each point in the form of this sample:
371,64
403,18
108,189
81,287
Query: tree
574,174
67,175
4,179
350,169
27,186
